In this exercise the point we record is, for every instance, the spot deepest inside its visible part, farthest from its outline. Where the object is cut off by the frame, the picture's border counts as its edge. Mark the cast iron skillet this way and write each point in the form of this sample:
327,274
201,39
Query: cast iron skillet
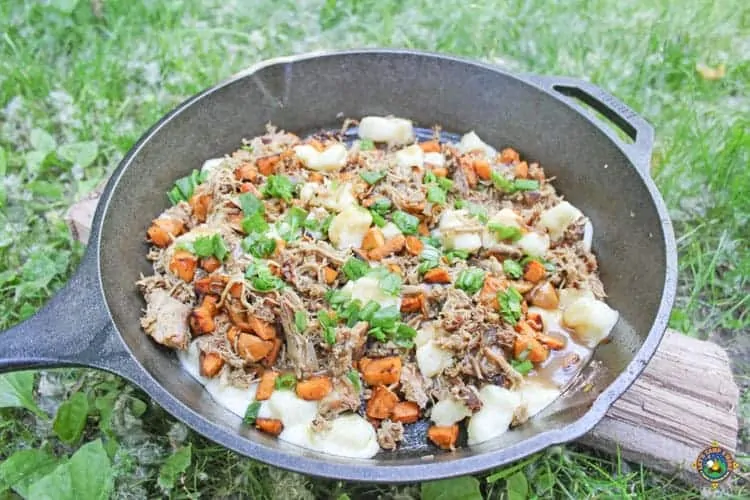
93,321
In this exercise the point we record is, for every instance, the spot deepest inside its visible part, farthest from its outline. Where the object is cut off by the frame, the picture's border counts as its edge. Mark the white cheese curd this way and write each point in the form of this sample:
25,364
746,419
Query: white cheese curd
471,142
505,217
410,156
290,409
425,333
590,319
452,220
557,219
210,165
386,129
570,295
435,159
498,405
537,397
329,160
390,230
533,243
432,360
588,235
335,197
368,288
308,191
449,411
347,229
349,436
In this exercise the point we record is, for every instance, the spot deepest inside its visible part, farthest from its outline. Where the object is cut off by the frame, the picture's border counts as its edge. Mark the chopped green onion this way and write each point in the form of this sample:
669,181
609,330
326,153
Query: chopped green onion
184,187
372,176
366,145
391,284
329,335
407,223
470,280
477,211
351,312
377,219
429,177
279,186
251,414
430,240
355,268
285,381
429,258
522,367
326,319
353,376
459,204
381,206
175,195
336,297
377,333
510,305
385,318
513,186
525,185
404,336
505,232
445,183
512,268
454,255
247,147
436,195
370,308
300,321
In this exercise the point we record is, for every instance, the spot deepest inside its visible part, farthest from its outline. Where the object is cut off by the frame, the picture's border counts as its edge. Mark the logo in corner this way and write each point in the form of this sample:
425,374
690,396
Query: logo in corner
715,464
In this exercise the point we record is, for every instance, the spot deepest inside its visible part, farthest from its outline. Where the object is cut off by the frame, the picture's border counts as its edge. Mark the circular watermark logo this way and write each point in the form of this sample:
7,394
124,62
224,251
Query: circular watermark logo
714,464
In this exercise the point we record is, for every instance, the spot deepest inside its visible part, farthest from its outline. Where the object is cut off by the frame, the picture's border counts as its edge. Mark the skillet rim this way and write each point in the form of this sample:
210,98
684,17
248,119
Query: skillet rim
374,470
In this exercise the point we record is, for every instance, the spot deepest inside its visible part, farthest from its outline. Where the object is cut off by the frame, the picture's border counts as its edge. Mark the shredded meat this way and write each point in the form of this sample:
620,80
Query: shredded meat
166,319
415,386
389,434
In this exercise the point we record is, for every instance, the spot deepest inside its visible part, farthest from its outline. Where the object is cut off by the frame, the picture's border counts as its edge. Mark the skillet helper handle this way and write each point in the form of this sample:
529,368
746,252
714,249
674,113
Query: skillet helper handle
72,329
627,120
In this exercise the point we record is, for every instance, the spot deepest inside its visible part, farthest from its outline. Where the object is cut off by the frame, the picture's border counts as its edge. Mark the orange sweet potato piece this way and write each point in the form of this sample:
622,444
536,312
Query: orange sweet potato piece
545,296
201,322
522,170
314,389
233,334
210,303
270,358
534,271
437,275
164,230
211,284
253,348
553,343
315,177
373,239
430,146
267,165
406,412
329,274
261,328
183,265
412,303
440,172
483,170
394,245
210,264
384,371
422,229
488,295
414,245
200,204
246,172
509,155
210,364
536,351
444,437
381,403
270,426
266,385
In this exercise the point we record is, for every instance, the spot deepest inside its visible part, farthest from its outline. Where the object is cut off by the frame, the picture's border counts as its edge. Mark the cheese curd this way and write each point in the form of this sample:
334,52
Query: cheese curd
386,129
533,243
590,319
368,288
347,229
449,411
471,142
452,231
557,219
411,156
496,415
329,160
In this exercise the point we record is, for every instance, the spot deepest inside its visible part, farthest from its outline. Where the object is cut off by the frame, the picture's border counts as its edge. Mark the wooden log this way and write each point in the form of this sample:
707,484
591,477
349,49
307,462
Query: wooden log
685,399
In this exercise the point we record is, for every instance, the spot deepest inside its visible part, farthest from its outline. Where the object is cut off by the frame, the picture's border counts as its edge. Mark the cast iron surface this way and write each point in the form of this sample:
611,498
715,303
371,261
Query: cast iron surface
93,321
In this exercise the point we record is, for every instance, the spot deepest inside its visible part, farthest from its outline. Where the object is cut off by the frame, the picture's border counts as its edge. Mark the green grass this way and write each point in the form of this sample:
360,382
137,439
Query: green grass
85,79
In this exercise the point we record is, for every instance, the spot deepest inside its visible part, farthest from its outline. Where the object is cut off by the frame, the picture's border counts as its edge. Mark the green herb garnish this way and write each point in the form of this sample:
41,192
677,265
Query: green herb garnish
262,279
435,194
355,268
385,318
372,176
454,255
512,268
377,219
370,308
505,232
184,187
300,321
510,305
366,145
429,177
407,223
429,258
381,206
353,376
251,414
259,246
513,186
470,280
522,367
391,283
251,205
279,186
404,336
285,381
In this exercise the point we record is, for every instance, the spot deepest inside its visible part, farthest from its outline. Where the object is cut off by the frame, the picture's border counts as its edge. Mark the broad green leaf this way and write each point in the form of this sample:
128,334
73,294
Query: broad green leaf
65,6
71,418
173,467
41,141
24,467
16,391
459,488
518,486
3,162
106,405
51,190
80,153
543,482
137,407
34,160
87,475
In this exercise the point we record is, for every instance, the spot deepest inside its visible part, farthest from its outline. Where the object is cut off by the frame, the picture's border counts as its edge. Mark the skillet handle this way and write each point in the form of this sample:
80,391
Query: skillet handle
72,329
627,120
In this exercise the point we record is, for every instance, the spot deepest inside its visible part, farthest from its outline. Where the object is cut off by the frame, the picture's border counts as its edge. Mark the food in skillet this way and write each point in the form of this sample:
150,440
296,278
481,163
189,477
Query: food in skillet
334,290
